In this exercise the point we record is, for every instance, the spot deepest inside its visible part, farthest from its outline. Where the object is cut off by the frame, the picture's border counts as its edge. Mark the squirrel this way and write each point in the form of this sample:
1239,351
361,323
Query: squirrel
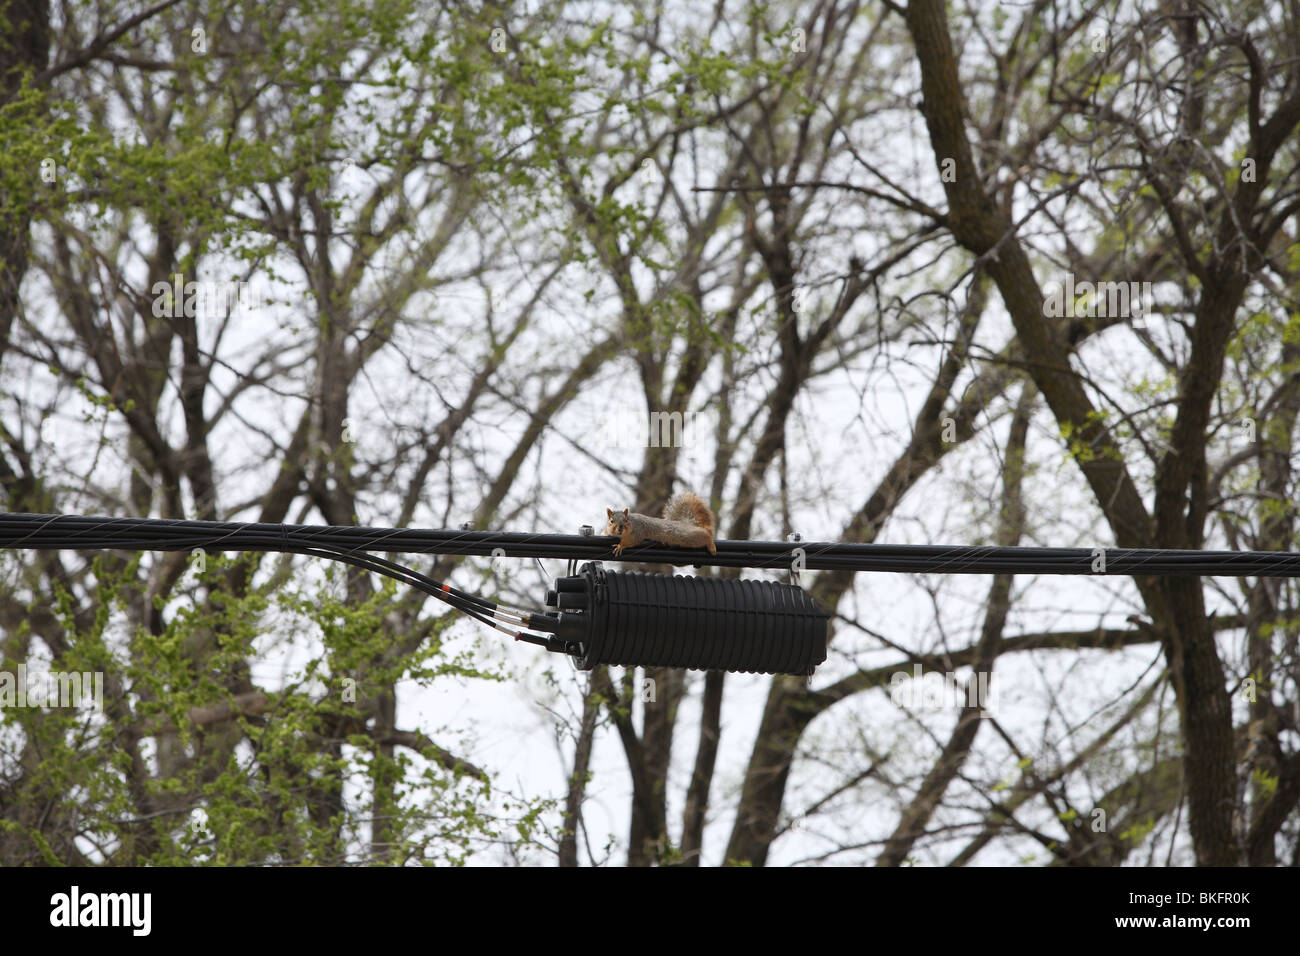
687,523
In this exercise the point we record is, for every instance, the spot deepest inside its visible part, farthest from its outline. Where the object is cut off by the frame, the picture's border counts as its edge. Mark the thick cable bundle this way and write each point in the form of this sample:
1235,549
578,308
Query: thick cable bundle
80,532
612,618
659,620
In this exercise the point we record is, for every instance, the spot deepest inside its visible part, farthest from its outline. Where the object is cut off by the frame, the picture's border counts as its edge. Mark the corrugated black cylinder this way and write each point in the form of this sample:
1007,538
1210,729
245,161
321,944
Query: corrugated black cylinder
659,620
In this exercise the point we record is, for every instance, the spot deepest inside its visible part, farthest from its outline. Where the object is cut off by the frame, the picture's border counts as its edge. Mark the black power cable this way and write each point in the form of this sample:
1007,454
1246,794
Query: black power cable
65,532
581,633
74,532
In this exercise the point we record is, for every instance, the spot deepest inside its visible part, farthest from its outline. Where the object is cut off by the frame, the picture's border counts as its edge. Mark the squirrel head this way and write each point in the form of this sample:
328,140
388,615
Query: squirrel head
618,520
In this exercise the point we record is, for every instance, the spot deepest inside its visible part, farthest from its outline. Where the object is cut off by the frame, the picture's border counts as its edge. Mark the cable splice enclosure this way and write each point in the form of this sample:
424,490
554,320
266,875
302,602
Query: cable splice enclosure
658,620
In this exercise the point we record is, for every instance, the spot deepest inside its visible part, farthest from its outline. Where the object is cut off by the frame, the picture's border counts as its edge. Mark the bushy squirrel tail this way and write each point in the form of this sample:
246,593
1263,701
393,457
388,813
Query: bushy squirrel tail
690,508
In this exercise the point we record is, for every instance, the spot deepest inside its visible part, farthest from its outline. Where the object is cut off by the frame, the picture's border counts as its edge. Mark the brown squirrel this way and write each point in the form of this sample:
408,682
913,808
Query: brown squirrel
687,523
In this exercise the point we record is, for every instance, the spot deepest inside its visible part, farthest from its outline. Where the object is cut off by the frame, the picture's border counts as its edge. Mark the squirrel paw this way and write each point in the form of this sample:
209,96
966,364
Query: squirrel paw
618,549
